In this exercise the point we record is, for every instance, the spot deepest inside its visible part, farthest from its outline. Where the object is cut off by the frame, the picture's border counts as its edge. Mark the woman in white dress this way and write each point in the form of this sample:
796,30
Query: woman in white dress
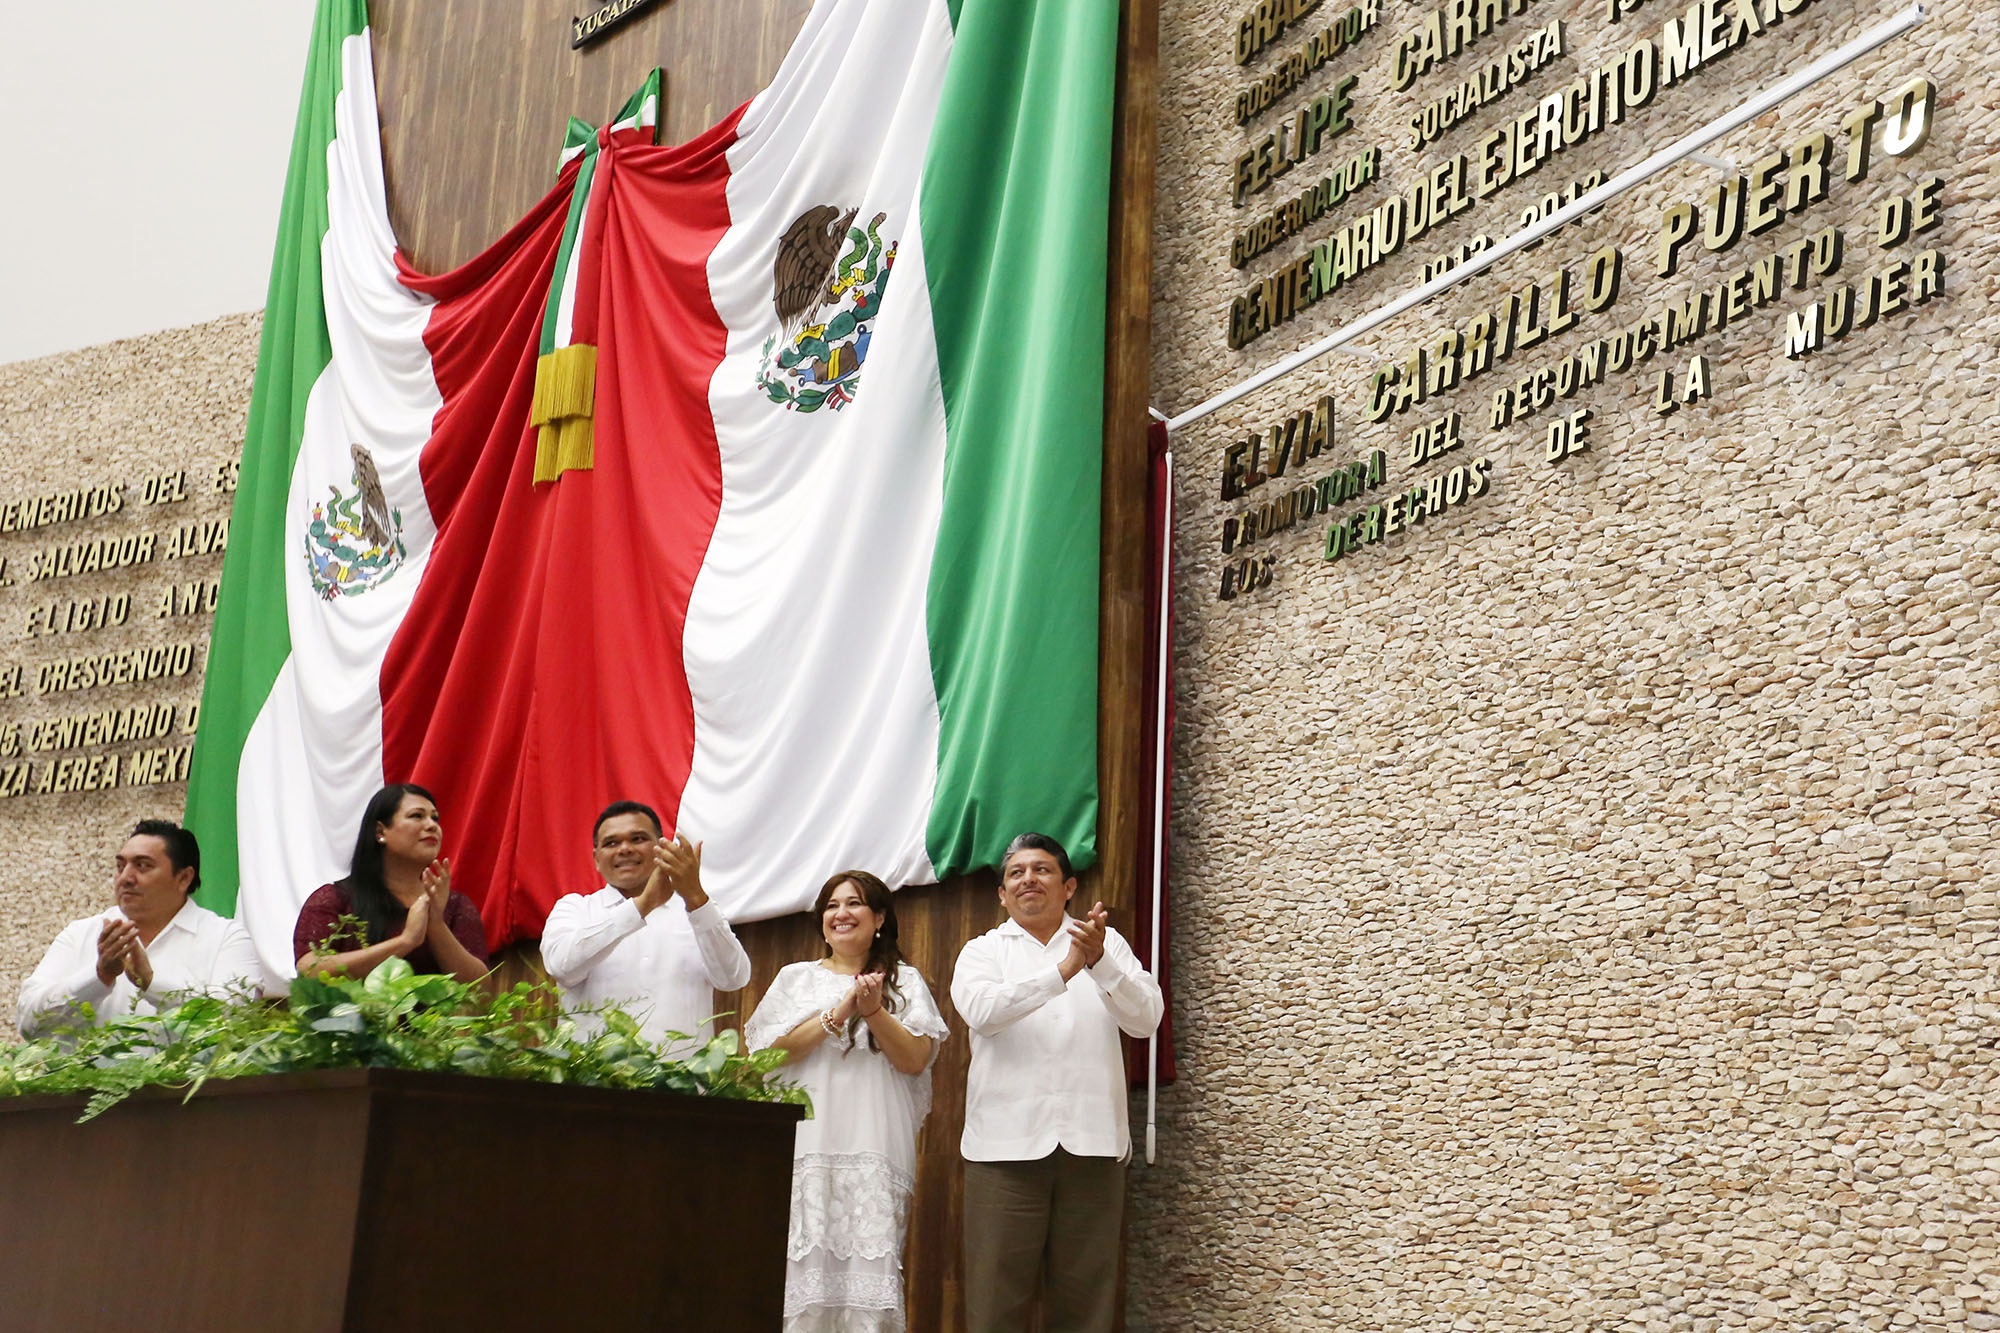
860,1029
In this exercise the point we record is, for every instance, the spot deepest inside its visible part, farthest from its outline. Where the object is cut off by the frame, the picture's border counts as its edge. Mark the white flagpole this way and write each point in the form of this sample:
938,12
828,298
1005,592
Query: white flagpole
1160,802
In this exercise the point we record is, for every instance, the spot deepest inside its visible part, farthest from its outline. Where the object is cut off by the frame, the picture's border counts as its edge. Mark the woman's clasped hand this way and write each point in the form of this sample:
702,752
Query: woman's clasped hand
396,900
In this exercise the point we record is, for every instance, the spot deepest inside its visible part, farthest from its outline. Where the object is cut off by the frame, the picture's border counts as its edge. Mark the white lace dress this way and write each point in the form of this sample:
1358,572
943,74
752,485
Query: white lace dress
854,1163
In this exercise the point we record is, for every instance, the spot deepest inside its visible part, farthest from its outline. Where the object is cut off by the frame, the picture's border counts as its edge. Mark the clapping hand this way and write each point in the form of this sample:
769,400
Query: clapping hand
437,886
680,861
137,965
115,941
437,893
1086,937
418,923
867,994
849,1006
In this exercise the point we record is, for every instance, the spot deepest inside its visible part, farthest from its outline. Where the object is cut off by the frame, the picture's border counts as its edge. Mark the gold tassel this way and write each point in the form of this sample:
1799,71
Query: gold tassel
545,455
575,443
565,398
565,383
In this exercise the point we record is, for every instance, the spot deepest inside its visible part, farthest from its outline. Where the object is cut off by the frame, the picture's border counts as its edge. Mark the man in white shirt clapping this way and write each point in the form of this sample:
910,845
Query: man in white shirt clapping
1045,1144
649,941
157,944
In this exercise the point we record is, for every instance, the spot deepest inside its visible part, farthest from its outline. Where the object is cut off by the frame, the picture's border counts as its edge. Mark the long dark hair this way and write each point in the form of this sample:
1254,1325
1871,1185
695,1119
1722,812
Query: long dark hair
884,954
367,885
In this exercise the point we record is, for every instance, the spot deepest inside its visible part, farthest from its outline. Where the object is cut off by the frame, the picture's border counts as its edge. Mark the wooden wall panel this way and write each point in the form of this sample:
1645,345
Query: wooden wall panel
475,96
1122,685
474,100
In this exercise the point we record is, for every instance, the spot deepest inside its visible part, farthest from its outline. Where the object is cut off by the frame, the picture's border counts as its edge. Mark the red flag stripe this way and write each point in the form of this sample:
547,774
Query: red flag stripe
539,672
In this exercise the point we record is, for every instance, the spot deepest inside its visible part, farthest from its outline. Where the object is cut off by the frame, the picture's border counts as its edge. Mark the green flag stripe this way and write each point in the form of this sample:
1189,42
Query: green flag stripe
1015,211
581,135
579,196
648,87
251,639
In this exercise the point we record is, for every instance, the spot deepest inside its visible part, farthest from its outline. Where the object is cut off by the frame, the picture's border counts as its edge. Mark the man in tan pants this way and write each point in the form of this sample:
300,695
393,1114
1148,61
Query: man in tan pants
1046,995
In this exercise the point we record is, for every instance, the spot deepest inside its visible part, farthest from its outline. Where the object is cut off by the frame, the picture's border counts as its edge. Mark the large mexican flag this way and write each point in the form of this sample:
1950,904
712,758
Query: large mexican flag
756,478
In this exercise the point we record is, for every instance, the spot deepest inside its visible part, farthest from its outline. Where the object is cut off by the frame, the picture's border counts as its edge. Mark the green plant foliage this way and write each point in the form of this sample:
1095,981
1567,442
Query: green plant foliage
391,1019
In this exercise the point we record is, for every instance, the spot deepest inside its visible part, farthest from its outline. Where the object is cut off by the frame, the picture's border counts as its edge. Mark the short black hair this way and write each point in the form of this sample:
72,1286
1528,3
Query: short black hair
183,852
617,808
1038,842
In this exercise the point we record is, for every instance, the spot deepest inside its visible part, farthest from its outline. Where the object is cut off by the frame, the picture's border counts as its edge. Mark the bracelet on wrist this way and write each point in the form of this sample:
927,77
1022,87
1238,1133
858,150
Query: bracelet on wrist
827,1025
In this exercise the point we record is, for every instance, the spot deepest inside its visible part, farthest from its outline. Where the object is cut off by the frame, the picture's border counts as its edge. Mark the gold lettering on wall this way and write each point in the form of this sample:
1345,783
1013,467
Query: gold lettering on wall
75,644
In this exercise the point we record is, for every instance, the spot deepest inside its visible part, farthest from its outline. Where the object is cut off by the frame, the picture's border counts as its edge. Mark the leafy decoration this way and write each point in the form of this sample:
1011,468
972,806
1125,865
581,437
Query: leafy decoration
393,1018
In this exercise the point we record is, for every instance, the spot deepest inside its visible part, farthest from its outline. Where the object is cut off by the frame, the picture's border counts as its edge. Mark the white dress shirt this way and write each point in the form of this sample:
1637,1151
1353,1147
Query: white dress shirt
662,968
1047,1068
196,951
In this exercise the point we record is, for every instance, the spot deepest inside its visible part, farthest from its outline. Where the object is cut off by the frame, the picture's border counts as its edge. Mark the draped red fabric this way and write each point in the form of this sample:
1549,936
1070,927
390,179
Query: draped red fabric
538,674
1153,832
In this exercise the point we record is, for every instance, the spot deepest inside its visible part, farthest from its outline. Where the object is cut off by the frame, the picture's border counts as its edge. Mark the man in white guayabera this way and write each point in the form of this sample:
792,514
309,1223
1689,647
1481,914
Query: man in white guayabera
649,941
1045,1145
155,945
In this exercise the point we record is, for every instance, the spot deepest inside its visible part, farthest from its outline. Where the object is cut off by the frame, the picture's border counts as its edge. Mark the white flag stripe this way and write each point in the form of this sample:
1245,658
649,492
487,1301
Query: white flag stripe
566,302
798,773
314,753
647,115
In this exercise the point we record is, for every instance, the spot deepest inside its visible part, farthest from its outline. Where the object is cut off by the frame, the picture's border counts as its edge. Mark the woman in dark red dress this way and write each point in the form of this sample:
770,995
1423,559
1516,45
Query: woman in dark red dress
399,889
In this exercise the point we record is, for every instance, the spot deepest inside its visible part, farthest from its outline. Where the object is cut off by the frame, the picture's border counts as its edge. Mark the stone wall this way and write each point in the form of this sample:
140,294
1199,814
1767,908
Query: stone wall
1585,905
1586,897
151,426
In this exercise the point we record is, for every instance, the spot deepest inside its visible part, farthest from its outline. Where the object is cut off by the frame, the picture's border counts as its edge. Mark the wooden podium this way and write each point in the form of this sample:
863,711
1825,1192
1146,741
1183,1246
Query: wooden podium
374,1199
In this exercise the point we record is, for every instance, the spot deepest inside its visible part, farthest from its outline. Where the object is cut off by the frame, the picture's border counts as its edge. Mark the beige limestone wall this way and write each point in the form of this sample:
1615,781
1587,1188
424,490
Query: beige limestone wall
159,419
1586,899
